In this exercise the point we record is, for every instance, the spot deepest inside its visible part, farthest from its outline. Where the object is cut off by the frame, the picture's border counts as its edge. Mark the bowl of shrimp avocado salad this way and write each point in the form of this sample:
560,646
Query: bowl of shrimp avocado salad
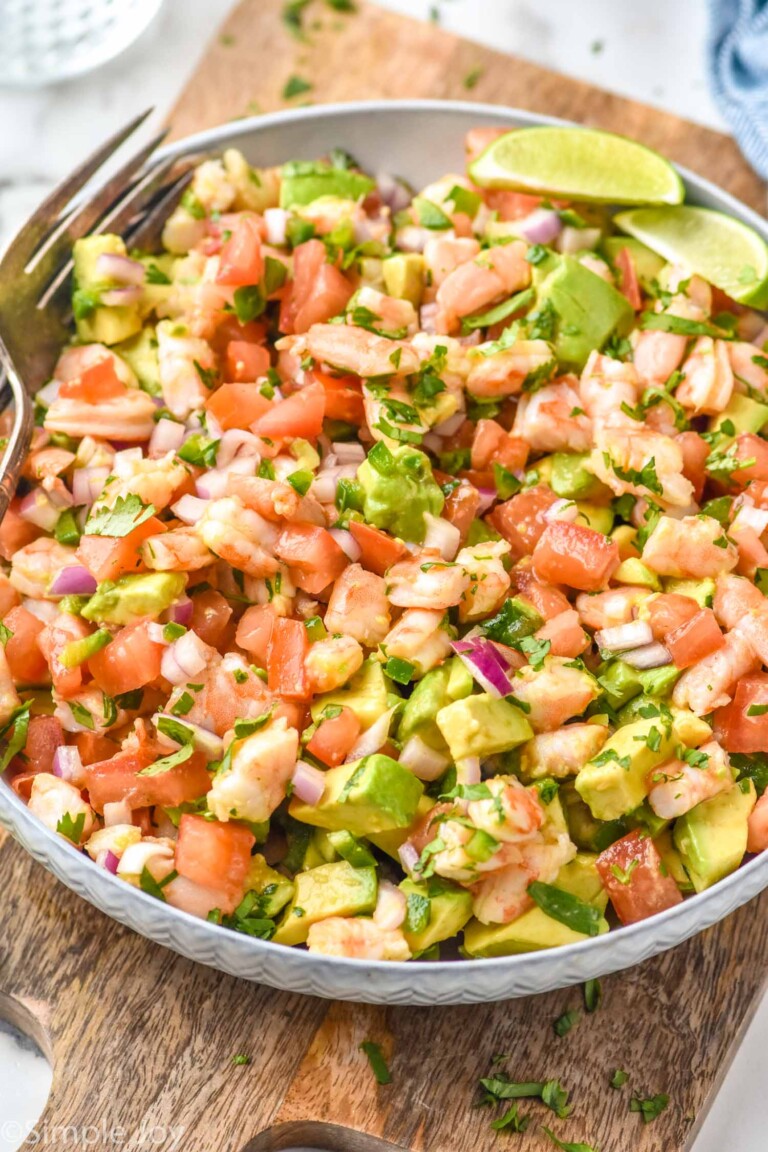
387,577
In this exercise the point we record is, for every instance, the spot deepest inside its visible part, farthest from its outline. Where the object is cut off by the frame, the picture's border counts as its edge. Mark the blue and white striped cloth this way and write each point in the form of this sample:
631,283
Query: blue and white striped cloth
738,59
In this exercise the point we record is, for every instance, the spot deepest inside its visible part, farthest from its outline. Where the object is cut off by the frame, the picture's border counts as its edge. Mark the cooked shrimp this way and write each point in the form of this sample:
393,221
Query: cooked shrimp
115,839
710,683
255,784
504,372
75,360
180,550
357,937
757,825
498,272
441,256
358,606
564,633
489,579
734,598
657,355
127,417
692,548
90,700
272,499
552,419
511,813
746,364
393,313
606,385
182,360
562,753
9,697
641,463
678,786
332,662
605,609
212,186
35,567
502,896
420,637
356,350
707,378
554,692
154,481
239,536
226,690
426,581
55,801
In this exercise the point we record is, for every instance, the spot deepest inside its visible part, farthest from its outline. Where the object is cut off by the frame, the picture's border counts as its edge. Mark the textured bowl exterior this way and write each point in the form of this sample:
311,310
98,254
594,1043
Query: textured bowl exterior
415,139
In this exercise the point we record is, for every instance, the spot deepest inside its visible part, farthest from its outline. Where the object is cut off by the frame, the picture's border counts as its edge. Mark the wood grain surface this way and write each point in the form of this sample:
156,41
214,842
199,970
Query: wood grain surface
142,1041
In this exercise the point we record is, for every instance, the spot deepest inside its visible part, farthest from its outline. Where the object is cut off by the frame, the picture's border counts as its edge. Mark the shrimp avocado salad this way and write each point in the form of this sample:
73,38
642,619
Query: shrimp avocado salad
389,569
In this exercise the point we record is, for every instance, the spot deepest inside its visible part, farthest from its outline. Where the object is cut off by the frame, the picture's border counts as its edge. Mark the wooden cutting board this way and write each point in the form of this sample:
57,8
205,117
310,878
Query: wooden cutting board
142,1041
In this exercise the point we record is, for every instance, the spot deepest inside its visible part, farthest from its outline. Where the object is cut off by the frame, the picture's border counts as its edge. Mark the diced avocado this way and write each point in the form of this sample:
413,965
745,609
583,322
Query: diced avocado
398,488
274,889
451,681
404,276
365,694
481,726
374,794
712,837
140,353
330,890
125,600
619,683
302,183
625,535
647,263
744,413
633,571
615,782
78,651
646,820
672,860
535,930
587,833
659,681
95,322
597,516
351,849
390,842
436,910
324,851
571,477
479,532
515,620
586,308
702,591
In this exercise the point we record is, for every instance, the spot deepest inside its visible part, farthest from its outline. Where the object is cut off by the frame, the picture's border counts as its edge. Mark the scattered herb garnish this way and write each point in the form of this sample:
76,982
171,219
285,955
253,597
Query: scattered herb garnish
377,1061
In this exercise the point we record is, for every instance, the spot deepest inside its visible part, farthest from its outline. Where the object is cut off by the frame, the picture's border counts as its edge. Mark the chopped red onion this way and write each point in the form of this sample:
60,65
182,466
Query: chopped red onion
542,226
87,484
486,664
156,633
212,485
394,193
623,637
181,612
207,742
120,297
117,812
572,240
73,581
649,656
564,510
409,857
37,508
308,783
44,610
67,764
442,535
347,453
276,223
110,862
189,508
749,517
451,425
468,770
488,497
236,442
428,317
168,436
121,269
423,761
185,658
347,543
48,393
372,739
389,912
323,487
124,460
211,426
59,497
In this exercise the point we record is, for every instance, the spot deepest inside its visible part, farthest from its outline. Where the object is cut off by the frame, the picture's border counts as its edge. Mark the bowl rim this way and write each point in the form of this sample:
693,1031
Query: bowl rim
17,817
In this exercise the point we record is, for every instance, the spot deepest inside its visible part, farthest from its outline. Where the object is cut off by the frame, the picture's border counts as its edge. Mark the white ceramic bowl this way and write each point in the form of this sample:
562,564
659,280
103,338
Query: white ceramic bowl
419,140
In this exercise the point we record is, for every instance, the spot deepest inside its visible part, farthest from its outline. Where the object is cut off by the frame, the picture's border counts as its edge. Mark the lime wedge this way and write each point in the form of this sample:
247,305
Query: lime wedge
578,164
722,250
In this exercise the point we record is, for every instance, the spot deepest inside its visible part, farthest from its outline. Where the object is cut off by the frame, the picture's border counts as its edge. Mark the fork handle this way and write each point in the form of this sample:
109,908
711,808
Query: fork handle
21,431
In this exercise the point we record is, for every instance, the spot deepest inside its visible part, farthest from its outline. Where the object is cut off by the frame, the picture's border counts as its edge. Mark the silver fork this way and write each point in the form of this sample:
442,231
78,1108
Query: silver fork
36,269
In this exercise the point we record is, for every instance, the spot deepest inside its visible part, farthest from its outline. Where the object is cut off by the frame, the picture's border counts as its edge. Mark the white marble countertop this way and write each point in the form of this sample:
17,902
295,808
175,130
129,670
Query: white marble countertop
652,52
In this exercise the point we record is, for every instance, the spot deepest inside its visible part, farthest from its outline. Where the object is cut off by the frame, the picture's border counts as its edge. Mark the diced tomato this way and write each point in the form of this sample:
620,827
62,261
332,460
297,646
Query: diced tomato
565,634
229,328
334,738
695,451
461,507
254,631
45,735
46,463
108,557
245,362
628,282
575,555
299,416
668,611
318,292
211,614
15,531
214,855
25,660
737,729
9,597
52,641
343,396
131,661
237,405
511,205
118,779
757,826
492,445
753,450
312,554
752,552
547,600
520,520
478,139
241,262
94,747
94,384
378,550
286,653
695,639
633,875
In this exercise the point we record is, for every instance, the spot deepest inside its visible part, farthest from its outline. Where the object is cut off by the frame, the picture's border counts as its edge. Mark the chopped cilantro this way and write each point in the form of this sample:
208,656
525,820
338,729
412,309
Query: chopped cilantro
472,78
127,513
295,86
566,908
166,763
71,829
377,1061
649,1107
240,1061
619,1078
563,1025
